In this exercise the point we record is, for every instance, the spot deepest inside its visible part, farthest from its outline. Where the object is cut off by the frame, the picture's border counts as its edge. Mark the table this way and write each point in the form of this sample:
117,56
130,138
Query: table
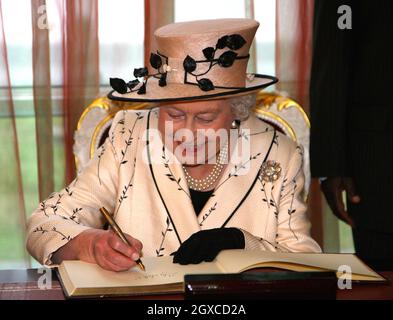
23,285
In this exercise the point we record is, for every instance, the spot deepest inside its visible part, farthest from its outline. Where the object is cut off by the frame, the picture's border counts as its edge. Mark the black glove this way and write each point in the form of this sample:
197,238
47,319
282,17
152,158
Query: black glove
205,245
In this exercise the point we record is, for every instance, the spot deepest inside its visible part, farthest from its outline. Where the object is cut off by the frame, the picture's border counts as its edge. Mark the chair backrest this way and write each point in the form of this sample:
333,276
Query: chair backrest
93,127
282,112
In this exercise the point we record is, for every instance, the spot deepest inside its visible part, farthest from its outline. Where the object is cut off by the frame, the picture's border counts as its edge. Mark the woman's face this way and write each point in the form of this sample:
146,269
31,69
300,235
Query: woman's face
195,129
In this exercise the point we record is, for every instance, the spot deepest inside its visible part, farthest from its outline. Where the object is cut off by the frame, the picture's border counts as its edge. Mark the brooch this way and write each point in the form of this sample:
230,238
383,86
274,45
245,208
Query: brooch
270,171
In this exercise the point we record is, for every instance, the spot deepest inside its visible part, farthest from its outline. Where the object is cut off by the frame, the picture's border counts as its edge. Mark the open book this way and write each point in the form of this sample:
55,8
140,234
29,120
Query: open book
163,276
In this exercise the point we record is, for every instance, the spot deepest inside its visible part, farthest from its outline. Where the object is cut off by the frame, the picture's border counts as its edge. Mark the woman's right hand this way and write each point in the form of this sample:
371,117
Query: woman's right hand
102,247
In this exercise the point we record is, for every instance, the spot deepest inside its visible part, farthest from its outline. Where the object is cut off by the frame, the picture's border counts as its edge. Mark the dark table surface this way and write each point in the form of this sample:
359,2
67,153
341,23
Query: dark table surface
24,285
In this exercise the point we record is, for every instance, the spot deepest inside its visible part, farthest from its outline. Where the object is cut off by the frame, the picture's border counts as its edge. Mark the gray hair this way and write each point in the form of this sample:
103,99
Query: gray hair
241,106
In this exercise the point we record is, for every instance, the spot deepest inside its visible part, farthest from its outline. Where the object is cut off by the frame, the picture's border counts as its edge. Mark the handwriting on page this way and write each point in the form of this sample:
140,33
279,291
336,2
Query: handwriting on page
153,276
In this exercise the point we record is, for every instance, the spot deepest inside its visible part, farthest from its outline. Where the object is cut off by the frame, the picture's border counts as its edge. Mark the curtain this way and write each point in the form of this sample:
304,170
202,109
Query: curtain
79,61
250,14
80,47
294,22
11,186
42,102
294,47
157,14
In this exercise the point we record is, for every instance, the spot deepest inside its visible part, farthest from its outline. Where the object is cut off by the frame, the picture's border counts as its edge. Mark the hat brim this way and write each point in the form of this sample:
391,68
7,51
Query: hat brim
186,92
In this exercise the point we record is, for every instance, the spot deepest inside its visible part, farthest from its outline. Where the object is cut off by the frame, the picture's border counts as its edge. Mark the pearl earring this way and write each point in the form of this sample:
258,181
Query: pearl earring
235,124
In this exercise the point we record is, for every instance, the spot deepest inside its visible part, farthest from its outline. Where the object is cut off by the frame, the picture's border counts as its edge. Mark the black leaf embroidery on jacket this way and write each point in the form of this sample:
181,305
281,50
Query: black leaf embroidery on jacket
68,238
123,195
300,151
75,215
54,229
205,216
263,189
283,186
112,133
291,211
270,202
170,174
43,208
273,202
100,155
292,191
275,139
267,241
126,188
168,228
41,230
43,205
121,122
129,141
69,191
55,207
123,127
237,169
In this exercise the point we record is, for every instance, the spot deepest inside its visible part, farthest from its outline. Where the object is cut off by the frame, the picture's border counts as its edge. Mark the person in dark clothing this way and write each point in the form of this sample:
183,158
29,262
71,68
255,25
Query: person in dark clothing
351,101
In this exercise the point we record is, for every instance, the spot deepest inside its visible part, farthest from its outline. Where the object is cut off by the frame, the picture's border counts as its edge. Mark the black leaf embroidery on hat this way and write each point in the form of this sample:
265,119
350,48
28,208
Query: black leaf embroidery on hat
162,82
120,86
209,53
205,84
189,64
132,84
142,89
222,42
235,42
225,60
155,61
141,72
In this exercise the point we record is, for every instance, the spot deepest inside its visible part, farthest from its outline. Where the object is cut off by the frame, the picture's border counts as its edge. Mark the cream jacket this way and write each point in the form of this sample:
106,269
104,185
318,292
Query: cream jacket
151,202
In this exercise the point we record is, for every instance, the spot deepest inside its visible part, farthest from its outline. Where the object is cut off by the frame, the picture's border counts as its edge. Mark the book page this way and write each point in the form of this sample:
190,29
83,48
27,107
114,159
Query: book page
159,271
234,261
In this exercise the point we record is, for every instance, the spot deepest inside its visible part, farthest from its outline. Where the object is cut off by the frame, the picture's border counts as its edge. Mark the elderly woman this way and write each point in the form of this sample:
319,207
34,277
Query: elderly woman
196,174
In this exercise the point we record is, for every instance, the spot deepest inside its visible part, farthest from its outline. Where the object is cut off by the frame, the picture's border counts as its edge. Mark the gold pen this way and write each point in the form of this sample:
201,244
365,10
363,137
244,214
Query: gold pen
120,233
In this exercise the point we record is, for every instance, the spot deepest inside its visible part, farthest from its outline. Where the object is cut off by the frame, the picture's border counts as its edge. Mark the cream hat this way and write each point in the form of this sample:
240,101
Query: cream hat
196,60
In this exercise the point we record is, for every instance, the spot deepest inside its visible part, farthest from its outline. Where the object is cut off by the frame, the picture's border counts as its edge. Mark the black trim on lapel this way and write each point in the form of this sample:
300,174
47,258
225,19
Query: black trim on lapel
253,184
154,178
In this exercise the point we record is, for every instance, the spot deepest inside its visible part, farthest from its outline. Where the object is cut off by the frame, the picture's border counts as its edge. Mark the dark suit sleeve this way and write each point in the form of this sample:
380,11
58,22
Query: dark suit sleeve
329,91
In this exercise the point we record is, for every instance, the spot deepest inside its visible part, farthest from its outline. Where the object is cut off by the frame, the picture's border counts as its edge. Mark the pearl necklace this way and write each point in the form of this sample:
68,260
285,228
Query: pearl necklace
206,183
